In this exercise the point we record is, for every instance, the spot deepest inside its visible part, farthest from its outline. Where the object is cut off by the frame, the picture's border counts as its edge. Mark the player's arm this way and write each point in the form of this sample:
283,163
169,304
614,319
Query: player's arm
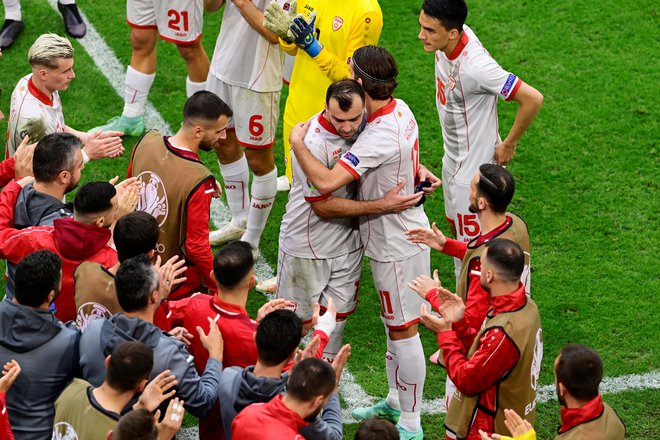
12,248
213,5
365,31
255,18
325,180
198,250
529,101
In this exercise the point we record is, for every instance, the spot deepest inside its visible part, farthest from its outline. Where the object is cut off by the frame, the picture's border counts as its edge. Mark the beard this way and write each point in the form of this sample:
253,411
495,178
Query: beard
474,208
71,186
206,145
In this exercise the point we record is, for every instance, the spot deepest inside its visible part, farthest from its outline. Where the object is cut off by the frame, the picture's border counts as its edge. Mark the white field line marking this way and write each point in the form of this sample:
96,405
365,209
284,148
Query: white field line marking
352,392
113,70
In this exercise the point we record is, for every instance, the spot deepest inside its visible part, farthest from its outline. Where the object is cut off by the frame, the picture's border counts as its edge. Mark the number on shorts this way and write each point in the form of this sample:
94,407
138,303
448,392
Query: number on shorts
468,225
385,302
256,128
176,18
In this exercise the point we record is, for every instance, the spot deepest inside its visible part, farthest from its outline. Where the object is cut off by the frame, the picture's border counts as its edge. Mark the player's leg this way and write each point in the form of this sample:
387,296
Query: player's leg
263,192
198,65
13,24
73,22
141,71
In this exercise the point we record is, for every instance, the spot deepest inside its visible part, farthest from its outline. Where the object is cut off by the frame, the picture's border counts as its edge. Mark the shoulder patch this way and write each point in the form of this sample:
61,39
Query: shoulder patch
508,85
350,157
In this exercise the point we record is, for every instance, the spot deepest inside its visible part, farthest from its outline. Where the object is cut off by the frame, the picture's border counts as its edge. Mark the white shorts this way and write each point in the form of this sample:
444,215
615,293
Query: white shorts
457,208
307,282
399,303
255,113
177,21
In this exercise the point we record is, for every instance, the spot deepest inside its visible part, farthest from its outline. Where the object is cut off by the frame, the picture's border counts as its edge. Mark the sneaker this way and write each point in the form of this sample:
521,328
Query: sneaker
128,126
73,22
267,286
11,29
283,184
404,434
227,233
380,410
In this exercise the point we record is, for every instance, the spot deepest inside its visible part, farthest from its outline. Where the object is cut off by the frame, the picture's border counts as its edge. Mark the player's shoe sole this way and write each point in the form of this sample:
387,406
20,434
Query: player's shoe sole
227,233
380,410
404,434
128,126
267,286
283,184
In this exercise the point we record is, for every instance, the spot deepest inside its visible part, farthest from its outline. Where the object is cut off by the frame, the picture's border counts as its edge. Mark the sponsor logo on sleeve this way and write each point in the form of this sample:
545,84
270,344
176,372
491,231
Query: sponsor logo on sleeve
508,85
350,157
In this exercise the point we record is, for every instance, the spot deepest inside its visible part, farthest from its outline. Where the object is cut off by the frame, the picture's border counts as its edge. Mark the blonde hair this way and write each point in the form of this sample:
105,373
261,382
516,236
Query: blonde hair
48,49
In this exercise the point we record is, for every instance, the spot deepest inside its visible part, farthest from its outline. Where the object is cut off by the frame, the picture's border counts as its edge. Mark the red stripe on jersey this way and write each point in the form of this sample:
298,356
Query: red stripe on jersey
41,96
349,169
385,110
326,124
459,47
317,198
515,90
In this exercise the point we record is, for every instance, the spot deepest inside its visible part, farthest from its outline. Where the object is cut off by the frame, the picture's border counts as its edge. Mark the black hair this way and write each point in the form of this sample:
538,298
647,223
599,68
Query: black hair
450,13
233,263
205,106
580,370
94,198
344,92
130,363
134,234
377,429
377,69
53,154
278,335
507,257
136,425
135,280
497,185
311,378
37,274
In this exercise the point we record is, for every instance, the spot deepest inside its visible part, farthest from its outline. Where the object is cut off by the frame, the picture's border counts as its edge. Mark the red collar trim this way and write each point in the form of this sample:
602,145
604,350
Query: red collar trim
483,238
326,124
227,309
572,417
459,47
509,303
386,110
285,415
41,96
188,154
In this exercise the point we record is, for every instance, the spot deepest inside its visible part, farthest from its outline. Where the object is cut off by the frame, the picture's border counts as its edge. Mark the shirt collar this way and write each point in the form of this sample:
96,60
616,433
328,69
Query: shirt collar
385,110
459,47
41,96
483,238
326,124
572,417
509,303
226,308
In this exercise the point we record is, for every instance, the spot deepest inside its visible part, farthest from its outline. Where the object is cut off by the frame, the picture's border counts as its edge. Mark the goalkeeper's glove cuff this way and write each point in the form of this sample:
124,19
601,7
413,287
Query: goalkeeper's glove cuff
314,48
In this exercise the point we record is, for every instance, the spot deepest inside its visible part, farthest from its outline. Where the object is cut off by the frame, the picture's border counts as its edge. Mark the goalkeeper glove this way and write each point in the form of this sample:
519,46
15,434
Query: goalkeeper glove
279,21
304,35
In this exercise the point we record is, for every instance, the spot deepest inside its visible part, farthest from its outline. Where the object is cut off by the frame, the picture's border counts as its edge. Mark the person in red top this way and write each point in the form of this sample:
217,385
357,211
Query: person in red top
178,188
501,368
310,385
85,237
233,269
9,375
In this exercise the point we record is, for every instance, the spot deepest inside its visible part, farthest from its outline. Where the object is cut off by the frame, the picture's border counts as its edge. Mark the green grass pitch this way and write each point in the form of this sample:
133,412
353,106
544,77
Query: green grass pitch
586,170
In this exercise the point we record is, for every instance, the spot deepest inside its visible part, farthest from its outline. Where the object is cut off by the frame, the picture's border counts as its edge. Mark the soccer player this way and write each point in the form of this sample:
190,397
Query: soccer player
46,349
178,21
36,108
13,24
340,28
385,154
501,368
468,82
312,265
138,294
246,73
85,237
177,190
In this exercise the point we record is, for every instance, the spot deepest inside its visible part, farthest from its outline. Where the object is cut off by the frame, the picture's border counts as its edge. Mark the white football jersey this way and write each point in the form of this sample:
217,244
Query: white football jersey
467,86
386,153
303,234
243,57
29,105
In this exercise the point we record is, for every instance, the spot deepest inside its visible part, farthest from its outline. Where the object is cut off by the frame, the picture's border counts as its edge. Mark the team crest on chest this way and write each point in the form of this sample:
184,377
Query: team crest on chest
153,197
452,82
337,23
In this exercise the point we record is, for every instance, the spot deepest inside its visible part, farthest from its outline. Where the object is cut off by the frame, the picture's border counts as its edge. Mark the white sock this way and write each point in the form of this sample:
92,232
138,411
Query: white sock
67,2
12,10
392,365
264,190
411,376
193,87
236,176
335,342
136,89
